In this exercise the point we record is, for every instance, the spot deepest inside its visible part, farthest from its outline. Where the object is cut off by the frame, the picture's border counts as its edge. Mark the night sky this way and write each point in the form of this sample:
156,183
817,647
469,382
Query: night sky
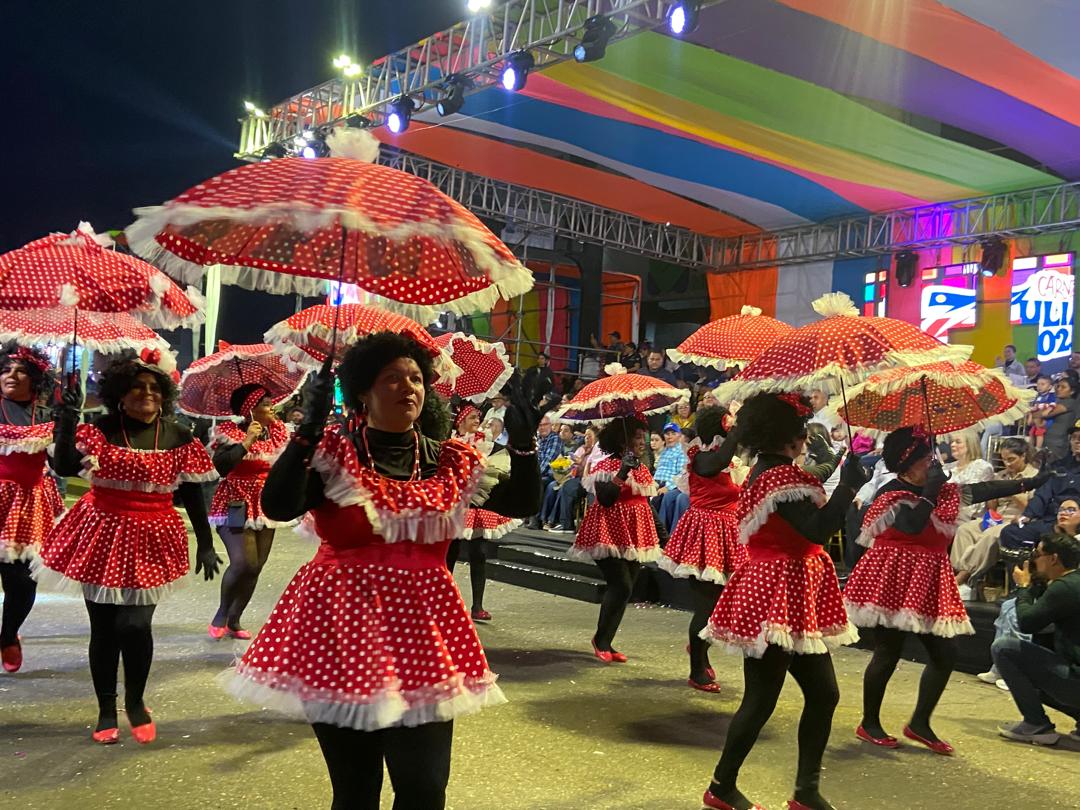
113,105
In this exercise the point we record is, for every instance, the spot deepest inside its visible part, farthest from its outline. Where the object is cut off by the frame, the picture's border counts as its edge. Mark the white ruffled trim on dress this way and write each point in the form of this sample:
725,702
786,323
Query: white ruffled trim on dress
636,488
257,524
30,445
684,571
602,551
817,643
53,580
785,494
29,553
868,615
888,518
498,532
390,707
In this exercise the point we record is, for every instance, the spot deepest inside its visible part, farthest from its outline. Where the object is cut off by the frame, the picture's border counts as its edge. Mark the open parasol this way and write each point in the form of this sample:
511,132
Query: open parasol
485,368
940,397
734,340
620,394
291,224
206,386
104,332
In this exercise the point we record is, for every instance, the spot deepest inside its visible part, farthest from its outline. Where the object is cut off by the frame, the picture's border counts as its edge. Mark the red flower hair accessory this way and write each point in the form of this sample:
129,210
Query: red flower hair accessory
459,417
796,402
30,357
151,357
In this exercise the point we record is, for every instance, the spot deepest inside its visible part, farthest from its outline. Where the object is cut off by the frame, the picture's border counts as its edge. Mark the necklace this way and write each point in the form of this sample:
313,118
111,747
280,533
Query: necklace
415,476
127,442
3,408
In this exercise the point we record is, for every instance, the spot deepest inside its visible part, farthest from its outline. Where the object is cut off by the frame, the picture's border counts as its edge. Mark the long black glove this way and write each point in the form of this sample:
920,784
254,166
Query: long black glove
989,490
206,559
853,473
522,415
318,400
913,519
65,459
630,463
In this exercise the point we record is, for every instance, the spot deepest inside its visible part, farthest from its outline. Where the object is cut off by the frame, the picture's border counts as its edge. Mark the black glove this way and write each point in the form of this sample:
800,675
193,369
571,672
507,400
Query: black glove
1037,480
935,480
630,463
318,400
853,474
819,449
68,400
522,416
207,561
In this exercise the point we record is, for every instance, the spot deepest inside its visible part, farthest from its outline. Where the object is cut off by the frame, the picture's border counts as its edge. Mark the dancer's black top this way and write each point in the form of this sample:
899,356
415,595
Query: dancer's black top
816,524
22,414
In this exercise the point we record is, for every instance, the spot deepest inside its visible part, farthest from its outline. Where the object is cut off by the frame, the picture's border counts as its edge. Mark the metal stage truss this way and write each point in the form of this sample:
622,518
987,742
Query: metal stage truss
473,50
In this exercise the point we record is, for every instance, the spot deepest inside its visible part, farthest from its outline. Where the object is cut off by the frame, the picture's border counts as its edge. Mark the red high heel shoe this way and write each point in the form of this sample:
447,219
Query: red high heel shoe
712,686
708,670
618,657
939,747
11,655
145,733
107,736
710,802
217,632
885,742
480,616
604,655
240,633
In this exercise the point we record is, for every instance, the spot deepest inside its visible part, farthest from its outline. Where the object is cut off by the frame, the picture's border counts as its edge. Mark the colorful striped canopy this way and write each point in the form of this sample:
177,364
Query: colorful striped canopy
776,113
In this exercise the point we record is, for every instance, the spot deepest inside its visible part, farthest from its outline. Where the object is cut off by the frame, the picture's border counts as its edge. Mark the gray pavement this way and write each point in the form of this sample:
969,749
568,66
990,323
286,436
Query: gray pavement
576,734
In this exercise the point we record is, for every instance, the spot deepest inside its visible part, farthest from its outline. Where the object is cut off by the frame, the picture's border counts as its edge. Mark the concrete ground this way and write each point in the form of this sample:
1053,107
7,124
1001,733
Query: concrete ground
575,734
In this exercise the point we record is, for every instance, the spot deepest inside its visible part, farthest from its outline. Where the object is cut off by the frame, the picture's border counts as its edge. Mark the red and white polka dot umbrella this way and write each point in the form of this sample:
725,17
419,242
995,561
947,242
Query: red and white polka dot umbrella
941,397
79,269
620,394
105,332
290,224
485,368
729,341
305,339
843,348
207,385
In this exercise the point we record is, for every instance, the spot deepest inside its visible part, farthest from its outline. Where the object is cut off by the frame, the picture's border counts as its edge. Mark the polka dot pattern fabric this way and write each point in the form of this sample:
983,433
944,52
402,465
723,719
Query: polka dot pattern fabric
245,481
373,632
485,368
207,385
787,593
733,340
705,543
29,500
624,394
108,333
906,581
626,529
123,541
389,232
483,524
102,279
957,396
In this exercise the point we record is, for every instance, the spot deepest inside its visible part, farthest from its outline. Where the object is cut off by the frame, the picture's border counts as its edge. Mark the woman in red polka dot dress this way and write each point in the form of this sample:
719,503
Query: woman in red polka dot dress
618,532
371,642
480,524
904,585
243,454
705,545
782,609
123,544
29,500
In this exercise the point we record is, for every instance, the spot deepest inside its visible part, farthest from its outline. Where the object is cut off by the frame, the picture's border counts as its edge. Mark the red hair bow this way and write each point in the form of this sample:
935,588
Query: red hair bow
796,402
150,356
31,357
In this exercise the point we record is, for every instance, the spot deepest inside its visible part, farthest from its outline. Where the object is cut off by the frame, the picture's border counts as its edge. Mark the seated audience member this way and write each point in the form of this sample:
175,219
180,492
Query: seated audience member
672,459
683,415
572,493
1039,419
560,471
968,467
548,447
975,546
1064,415
1041,512
1036,676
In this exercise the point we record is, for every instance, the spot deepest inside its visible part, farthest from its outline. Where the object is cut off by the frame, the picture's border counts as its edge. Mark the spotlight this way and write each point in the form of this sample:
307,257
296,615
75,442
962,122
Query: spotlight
907,267
516,70
401,110
473,6
993,257
357,121
594,40
454,99
314,147
683,17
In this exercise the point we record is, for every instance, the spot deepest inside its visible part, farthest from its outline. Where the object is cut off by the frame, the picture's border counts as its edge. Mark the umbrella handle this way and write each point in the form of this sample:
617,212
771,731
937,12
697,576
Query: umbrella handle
926,406
843,396
74,342
337,303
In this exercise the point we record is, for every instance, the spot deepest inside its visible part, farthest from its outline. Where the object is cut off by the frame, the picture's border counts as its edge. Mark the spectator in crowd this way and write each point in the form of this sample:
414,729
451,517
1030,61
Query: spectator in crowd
630,357
1035,675
683,415
572,493
1033,368
1064,415
497,409
975,545
1044,402
709,400
539,380
968,467
672,459
560,471
819,401
655,367
1008,362
1074,361
548,448
652,452
1041,512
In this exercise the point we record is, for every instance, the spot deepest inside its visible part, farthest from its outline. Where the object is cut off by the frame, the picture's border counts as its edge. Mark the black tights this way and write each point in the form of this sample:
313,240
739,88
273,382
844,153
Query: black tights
888,646
703,596
763,679
120,630
477,567
418,760
19,592
248,550
619,576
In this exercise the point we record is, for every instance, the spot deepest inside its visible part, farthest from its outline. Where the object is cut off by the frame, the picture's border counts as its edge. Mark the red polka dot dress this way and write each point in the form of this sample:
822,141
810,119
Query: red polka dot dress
905,581
626,529
705,544
29,499
373,632
483,524
244,483
123,542
786,593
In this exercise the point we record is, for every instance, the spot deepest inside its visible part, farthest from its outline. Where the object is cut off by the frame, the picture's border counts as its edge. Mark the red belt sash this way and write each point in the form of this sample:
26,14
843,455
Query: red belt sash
771,549
413,556
123,501
25,469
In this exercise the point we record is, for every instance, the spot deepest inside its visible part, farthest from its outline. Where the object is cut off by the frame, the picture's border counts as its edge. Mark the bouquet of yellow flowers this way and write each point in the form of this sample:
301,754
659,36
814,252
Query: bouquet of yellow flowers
560,469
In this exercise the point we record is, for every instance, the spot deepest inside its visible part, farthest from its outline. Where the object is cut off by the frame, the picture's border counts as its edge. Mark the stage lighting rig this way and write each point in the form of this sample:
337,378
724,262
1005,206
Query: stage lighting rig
516,69
683,17
594,40
454,98
993,256
401,110
907,267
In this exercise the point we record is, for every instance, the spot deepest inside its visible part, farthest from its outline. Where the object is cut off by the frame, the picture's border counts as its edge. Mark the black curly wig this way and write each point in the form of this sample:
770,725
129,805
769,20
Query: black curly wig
436,421
768,424
616,436
368,356
119,375
236,399
40,381
897,443
709,422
